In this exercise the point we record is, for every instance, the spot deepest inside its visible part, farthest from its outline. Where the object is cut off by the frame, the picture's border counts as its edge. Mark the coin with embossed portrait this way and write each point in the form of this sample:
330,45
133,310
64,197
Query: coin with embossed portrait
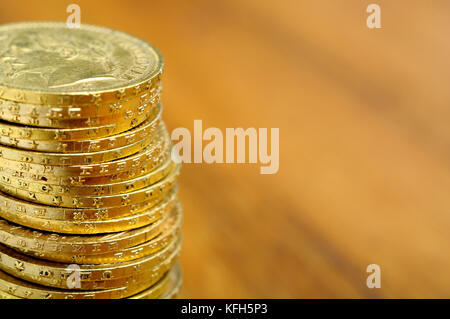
49,63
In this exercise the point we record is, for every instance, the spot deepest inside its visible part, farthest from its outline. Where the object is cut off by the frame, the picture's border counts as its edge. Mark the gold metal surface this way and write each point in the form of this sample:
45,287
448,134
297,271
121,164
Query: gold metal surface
137,103
163,231
146,129
131,220
13,130
169,286
102,276
54,243
134,285
98,201
145,159
90,190
25,209
95,247
166,288
86,173
48,63
24,158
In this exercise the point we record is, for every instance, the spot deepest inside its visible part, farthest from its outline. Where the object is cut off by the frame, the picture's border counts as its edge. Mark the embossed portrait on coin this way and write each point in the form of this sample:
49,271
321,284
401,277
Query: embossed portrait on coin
63,60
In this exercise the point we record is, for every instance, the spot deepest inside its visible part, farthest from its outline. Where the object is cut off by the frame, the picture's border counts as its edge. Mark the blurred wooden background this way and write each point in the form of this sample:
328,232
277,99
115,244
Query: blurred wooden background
364,140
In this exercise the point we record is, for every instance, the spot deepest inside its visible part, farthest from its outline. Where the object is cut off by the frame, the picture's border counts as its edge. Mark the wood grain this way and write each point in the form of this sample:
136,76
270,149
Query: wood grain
364,140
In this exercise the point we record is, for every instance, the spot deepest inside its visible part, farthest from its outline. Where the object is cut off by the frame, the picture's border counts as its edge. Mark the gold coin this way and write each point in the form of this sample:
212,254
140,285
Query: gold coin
138,283
24,159
54,243
131,220
165,230
138,103
166,288
129,198
136,220
116,171
102,276
23,209
86,167
146,129
175,283
132,184
74,134
150,237
50,64
143,161
46,122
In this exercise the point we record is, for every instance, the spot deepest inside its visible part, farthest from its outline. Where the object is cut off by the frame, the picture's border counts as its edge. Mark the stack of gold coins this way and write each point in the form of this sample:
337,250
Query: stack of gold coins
88,188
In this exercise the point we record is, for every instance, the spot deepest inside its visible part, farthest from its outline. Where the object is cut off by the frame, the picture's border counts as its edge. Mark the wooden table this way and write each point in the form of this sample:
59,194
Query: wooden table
364,140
